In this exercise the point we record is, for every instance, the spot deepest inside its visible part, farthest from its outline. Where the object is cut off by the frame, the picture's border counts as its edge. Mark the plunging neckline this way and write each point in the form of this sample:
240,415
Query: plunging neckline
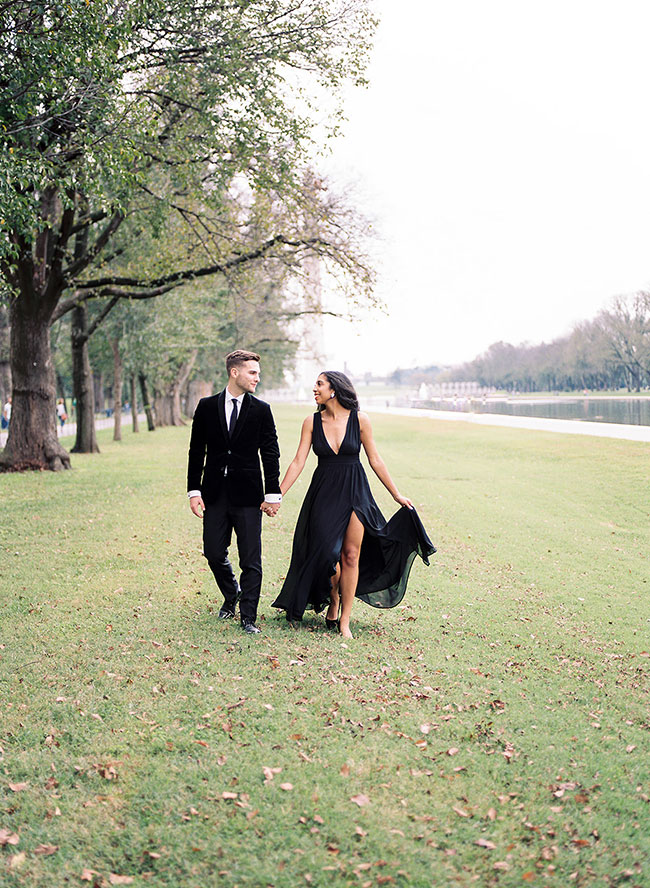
345,434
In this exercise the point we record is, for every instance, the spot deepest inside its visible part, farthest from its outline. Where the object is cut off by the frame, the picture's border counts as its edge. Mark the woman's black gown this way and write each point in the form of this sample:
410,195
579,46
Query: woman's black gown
339,486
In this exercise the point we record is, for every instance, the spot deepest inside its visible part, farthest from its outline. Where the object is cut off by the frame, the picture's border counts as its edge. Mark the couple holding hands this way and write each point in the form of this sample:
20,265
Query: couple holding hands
342,547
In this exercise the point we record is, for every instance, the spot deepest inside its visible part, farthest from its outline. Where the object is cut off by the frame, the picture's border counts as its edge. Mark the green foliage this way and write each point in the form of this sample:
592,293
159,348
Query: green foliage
96,96
491,731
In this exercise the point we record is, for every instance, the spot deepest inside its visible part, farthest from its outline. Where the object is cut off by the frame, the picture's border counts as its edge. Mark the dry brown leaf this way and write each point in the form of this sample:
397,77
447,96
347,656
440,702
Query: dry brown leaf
46,850
269,773
16,860
452,750
486,843
360,832
8,838
18,787
461,812
318,819
528,876
287,787
229,795
88,874
492,814
114,879
360,800
345,771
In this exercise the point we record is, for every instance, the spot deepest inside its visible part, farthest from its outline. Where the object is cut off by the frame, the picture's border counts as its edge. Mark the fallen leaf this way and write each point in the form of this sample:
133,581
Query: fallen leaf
461,812
345,771
8,838
630,748
88,874
452,750
360,800
287,787
114,879
269,773
16,860
229,795
18,787
318,819
46,850
528,876
360,832
486,843
492,814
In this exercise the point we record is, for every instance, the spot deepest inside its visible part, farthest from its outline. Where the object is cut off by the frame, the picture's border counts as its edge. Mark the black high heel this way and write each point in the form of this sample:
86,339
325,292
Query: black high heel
331,624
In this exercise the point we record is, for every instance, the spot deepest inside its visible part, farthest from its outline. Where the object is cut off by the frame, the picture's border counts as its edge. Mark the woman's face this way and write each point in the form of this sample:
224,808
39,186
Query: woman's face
323,391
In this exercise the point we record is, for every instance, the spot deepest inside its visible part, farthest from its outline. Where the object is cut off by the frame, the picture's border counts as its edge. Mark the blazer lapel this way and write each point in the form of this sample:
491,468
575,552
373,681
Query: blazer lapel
245,407
221,410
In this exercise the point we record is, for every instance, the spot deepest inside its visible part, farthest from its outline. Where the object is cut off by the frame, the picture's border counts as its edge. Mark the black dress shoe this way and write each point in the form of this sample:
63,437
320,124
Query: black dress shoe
331,624
250,628
226,614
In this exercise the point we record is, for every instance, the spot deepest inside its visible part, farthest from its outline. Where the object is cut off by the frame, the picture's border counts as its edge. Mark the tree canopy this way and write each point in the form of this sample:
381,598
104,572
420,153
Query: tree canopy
120,120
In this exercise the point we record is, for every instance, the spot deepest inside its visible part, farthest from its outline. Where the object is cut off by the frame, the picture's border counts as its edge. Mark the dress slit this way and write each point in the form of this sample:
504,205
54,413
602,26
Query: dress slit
339,488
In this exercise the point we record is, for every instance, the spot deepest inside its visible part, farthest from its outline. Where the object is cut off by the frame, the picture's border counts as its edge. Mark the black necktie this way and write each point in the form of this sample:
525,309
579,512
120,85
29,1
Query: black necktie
233,418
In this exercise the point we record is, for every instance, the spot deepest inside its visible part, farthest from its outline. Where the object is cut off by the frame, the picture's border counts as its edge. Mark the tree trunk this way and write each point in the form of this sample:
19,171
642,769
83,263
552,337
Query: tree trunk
134,404
145,402
168,403
197,389
5,365
83,389
32,442
117,389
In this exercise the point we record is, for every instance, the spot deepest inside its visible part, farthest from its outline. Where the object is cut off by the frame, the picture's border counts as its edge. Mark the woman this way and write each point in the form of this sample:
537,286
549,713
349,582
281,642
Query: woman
343,547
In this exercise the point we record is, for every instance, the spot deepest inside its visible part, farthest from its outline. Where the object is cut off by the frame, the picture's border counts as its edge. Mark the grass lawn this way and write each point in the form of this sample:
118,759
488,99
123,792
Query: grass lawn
491,731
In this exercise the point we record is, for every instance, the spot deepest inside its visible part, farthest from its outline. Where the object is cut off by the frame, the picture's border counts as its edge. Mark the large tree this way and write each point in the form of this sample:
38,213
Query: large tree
117,113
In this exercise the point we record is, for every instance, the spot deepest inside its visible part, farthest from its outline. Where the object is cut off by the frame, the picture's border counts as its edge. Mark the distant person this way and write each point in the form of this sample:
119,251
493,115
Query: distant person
342,545
60,411
230,432
6,414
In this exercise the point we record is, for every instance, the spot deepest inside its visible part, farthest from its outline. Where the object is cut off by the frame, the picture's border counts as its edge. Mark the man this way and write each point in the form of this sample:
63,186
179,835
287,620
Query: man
230,432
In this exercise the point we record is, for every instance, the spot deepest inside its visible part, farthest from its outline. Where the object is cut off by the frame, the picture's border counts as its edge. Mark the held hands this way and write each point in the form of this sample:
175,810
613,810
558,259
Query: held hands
197,506
270,509
403,501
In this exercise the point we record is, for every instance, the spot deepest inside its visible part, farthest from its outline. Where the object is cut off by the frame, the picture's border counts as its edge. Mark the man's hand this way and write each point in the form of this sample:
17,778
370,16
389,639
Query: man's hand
197,506
270,509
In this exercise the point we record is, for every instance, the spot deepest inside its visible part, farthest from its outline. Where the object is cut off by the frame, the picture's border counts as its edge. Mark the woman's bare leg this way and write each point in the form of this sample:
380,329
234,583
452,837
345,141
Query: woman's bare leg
333,609
349,571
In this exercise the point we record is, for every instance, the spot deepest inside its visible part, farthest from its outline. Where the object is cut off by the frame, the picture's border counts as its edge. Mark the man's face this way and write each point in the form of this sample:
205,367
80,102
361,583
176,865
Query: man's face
245,377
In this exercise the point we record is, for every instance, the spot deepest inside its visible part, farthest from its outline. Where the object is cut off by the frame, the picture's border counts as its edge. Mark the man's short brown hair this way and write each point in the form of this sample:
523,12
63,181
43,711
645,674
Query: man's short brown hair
234,359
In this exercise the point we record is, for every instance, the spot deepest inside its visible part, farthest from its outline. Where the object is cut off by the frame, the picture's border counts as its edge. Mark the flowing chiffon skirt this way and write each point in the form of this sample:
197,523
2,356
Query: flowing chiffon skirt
339,486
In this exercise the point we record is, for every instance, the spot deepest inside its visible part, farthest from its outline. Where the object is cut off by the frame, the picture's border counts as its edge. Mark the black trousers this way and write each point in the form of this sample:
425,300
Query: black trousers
219,520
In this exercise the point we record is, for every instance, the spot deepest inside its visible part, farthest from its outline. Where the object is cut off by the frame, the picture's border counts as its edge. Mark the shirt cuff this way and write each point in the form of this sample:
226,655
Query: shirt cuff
273,498
191,493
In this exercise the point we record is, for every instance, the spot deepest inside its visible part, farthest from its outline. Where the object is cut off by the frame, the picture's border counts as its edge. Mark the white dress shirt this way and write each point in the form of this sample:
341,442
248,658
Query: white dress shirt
230,399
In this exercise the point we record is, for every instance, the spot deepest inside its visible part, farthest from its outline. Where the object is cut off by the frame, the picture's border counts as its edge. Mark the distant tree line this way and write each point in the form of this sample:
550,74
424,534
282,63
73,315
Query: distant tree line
612,351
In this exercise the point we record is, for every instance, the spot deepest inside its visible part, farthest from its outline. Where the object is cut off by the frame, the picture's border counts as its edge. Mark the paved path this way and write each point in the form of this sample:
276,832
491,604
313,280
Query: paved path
70,428
566,426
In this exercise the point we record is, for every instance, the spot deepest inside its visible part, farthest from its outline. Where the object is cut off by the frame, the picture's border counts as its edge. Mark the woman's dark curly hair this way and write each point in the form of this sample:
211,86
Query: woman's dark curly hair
343,389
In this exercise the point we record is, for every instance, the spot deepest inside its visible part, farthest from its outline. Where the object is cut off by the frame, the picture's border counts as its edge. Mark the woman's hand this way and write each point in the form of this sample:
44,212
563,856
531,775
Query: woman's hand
403,501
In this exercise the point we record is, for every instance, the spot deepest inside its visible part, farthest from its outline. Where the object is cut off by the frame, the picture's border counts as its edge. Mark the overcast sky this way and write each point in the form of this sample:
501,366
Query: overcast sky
503,149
